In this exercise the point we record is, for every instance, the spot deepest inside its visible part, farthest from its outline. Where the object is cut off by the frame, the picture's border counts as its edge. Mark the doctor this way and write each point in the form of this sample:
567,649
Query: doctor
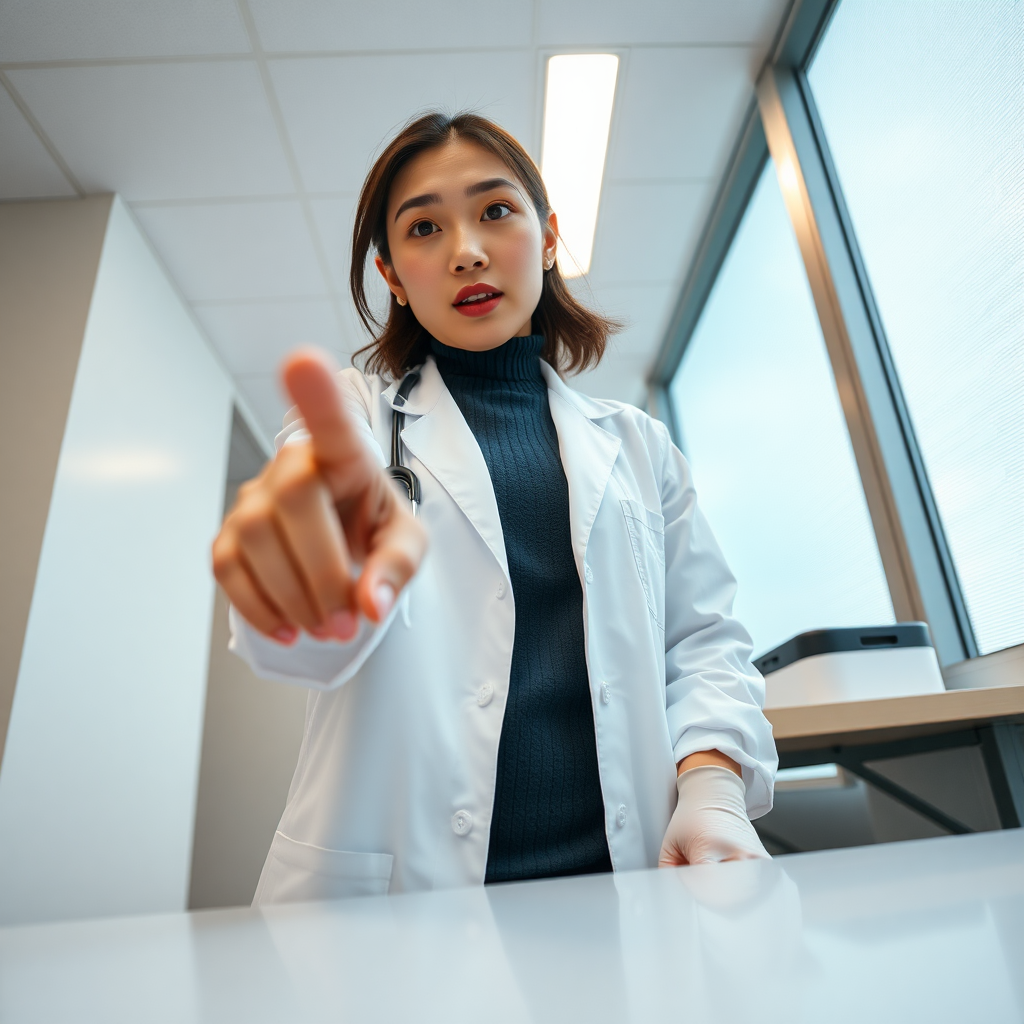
558,686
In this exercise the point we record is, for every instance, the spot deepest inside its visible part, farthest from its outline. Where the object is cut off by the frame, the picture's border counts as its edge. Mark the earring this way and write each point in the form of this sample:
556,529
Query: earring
548,264
401,301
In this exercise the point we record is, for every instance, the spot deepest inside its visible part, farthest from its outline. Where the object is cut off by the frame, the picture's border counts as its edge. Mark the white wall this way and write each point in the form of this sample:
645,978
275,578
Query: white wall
98,783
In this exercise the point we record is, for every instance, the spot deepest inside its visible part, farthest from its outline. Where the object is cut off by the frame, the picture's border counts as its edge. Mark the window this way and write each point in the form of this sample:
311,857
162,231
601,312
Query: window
923,109
761,424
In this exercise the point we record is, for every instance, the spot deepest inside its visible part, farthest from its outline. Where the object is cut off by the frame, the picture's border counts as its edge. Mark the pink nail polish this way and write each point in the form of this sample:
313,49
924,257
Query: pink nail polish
344,625
286,635
383,598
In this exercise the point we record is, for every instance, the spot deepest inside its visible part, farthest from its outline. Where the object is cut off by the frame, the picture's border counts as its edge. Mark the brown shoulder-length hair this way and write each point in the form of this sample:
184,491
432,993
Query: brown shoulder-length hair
574,336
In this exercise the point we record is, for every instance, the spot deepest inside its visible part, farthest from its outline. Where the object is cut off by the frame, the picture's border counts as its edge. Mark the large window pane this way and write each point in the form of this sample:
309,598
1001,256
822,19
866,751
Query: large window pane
923,108
763,430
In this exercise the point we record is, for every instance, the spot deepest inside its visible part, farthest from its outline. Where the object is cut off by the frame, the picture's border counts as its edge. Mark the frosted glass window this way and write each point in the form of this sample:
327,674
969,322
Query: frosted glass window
764,433
923,108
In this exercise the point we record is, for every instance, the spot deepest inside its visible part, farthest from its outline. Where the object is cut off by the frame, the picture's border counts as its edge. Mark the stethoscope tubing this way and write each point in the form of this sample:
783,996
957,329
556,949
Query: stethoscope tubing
397,470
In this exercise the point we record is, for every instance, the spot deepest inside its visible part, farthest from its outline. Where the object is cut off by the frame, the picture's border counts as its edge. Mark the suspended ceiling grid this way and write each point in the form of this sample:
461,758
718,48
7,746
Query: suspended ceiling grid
239,134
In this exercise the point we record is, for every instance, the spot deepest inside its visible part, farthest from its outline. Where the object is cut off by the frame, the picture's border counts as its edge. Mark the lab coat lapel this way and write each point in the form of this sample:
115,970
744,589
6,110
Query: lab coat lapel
588,453
443,441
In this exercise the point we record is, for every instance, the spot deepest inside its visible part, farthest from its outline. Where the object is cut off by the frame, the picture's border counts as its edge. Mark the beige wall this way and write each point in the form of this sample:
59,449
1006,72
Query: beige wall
49,256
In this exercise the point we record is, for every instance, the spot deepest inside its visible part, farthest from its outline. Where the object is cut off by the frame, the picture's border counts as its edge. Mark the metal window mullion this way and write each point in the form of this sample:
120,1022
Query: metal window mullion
730,204
915,557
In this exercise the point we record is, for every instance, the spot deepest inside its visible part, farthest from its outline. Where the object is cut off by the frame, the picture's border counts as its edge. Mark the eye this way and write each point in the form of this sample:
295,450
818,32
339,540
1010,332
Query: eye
423,228
496,211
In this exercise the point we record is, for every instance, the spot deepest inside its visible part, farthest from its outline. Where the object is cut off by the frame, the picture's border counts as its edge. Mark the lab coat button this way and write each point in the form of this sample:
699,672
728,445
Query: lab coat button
501,590
588,573
462,823
621,816
484,695
606,693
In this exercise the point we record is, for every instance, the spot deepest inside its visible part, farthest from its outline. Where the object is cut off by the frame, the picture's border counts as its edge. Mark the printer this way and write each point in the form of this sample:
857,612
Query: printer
831,666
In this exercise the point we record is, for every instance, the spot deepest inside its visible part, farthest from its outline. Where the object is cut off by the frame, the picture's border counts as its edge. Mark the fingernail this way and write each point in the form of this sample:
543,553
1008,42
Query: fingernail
286,635
344,625
383,598
322,632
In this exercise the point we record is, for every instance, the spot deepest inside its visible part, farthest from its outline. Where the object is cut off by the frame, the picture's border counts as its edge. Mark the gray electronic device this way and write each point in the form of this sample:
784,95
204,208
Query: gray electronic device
832,666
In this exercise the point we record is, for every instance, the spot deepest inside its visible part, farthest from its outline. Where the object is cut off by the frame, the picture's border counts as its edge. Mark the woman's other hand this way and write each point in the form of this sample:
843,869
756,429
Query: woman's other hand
287,551
710,821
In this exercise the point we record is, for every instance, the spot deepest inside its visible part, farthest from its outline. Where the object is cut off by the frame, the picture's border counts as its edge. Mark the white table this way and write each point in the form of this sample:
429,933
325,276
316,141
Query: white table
923,931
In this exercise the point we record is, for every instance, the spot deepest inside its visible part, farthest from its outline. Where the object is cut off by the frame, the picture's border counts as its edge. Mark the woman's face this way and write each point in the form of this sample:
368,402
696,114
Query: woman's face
468,251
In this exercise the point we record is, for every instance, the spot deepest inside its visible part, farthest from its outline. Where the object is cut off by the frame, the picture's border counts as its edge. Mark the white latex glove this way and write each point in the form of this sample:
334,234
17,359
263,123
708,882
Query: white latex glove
710,822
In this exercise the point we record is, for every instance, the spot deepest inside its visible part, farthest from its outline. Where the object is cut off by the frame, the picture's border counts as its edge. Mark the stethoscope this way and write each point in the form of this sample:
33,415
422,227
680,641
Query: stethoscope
397,470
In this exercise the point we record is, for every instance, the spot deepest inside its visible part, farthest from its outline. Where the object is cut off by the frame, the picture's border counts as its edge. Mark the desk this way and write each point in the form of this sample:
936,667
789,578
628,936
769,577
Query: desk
854,732
931,930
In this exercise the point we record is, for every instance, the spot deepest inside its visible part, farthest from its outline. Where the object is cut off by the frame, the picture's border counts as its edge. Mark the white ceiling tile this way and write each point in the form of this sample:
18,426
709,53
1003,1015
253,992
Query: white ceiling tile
226,251
334,218
612,22
643,308
254,337
319,25
265,398
63,29
340,111
615,377
160,131
679,112
27,171
646,229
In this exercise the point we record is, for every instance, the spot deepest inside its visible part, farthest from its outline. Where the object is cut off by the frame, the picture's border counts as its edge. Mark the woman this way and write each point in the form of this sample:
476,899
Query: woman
558,687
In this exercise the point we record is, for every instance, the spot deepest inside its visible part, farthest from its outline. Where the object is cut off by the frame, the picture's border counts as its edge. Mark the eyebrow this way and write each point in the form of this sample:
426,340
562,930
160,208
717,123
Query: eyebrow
489,185
433,198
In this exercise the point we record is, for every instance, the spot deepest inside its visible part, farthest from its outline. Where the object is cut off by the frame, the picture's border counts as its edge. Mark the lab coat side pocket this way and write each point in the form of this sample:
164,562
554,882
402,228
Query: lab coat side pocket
297,871
647,538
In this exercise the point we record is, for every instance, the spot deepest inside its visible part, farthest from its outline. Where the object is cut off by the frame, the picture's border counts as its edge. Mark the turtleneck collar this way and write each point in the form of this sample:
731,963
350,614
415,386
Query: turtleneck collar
517,359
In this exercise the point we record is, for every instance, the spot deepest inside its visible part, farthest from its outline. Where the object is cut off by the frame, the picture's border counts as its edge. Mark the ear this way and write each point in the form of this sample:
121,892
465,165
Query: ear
549,244
389,275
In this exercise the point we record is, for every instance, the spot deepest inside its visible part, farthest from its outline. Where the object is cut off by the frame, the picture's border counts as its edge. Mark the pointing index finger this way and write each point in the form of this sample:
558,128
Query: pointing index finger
310,377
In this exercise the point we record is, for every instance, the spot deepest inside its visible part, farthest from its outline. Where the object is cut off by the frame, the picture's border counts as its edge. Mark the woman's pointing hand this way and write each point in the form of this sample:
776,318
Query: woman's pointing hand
287,551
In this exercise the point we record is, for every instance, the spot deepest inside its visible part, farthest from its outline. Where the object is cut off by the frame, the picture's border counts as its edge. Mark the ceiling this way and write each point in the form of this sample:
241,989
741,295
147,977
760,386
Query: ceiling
239,134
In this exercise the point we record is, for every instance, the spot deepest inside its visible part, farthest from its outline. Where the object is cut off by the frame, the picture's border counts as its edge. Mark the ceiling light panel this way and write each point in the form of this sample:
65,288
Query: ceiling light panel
577,117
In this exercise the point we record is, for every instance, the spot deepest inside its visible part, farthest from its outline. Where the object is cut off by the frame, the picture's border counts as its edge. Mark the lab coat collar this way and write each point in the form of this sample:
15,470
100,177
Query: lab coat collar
588,454
442,440
426,393
592,408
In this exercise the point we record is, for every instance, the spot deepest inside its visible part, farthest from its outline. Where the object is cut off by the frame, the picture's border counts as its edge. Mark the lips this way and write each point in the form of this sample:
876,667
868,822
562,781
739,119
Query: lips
477,299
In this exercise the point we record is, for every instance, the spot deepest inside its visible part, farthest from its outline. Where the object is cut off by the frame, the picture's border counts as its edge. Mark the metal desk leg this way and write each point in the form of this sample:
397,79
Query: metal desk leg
1002,746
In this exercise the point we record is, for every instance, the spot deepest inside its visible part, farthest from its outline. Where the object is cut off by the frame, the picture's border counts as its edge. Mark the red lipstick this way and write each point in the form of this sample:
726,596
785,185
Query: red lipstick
477,299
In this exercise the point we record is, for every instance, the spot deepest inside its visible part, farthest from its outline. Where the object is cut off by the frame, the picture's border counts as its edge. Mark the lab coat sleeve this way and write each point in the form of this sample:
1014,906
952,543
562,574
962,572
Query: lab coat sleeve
320,665
714,694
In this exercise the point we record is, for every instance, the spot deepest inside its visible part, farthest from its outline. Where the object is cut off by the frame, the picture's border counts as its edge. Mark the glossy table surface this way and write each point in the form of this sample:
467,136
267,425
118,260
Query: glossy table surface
922,931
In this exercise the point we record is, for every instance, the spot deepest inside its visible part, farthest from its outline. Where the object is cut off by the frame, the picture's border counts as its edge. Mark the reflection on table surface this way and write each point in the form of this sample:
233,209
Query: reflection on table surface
930,930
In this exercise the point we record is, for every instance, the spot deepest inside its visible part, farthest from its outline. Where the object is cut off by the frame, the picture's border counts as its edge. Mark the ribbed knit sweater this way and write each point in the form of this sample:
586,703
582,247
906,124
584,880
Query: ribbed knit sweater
548,809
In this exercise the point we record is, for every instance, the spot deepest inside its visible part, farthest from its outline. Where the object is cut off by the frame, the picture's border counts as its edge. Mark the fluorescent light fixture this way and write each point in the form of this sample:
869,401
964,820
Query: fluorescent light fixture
129,465
577,117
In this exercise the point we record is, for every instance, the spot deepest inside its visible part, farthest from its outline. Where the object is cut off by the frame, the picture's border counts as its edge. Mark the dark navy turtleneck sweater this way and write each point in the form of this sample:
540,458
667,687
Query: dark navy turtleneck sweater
548,810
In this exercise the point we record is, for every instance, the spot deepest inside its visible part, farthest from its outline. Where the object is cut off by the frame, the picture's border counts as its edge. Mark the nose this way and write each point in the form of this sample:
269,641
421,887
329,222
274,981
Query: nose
468,254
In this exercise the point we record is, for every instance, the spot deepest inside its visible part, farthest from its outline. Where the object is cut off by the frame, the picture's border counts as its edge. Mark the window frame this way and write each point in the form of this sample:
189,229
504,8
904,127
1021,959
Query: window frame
783,125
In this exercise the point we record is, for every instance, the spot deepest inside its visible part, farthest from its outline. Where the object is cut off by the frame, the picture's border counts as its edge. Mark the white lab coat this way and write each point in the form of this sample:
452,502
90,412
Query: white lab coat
395,780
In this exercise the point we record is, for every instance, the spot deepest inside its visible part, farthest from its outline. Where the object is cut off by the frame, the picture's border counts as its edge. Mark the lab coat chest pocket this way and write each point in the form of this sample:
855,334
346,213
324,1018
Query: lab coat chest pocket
647,538
300,871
